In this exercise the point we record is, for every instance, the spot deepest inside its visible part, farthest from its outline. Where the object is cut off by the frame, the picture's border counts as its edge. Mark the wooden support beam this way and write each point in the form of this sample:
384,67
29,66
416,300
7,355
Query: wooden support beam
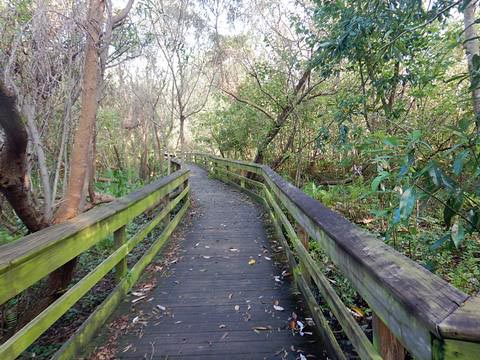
385,342
305,239
119,238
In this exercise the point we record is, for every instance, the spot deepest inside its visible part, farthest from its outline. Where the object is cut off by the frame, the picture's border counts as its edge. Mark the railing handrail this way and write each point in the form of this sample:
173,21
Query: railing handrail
416,305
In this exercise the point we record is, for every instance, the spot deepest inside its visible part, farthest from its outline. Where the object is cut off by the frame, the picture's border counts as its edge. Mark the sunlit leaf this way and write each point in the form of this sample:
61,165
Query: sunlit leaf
376,182
407,203
459,161
458,234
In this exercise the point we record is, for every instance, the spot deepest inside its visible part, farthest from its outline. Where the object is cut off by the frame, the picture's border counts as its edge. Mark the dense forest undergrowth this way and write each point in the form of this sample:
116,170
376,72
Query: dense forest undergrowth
371,107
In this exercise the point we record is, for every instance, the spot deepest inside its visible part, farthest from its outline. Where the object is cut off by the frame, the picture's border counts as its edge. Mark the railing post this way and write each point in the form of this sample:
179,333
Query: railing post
305,239
214,168
385,342
119,238
169,165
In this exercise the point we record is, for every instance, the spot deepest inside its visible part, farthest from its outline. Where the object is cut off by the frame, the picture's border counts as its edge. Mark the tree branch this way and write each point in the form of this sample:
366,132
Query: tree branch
253,105
119,19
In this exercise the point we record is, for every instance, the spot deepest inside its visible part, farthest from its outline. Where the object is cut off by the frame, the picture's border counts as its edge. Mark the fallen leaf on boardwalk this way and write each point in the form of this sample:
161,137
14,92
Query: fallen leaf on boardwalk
128,347
301,327
283,353
292,325
233,250
178,322
267,258
206,257
357,312
197,244
277,279
135,319
138,299
302,357
237,307
163,308
230,295
222,326
278,308
137,293
252,262
257,329
224,336
294,316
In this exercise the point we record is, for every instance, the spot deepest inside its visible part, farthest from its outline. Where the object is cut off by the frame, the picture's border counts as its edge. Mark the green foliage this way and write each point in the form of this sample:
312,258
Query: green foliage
6,236
121,182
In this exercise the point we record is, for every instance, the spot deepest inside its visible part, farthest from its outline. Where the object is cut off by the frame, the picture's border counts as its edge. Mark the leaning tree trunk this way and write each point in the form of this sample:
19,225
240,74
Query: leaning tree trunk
281,119
472,49
80,159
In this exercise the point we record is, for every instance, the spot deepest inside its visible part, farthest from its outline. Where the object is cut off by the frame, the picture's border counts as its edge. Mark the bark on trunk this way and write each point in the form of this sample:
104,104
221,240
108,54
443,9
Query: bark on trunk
41,159
14,182
472,48
182,134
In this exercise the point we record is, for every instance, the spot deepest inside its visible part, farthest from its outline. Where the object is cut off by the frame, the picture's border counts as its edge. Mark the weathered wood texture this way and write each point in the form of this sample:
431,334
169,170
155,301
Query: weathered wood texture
388,345
417,307
211,277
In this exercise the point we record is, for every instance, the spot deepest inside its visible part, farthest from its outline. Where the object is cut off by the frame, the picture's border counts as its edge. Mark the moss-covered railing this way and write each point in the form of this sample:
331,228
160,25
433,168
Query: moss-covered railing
414,311
28,260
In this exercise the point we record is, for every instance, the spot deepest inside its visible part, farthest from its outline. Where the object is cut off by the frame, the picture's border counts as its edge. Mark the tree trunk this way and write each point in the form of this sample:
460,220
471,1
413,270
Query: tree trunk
29,110
282,118
14,182
182,133
92,168
143,168
472,48
80,159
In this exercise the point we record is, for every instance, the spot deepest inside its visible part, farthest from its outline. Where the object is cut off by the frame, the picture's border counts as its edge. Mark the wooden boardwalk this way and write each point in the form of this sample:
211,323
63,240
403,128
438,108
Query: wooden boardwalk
215,304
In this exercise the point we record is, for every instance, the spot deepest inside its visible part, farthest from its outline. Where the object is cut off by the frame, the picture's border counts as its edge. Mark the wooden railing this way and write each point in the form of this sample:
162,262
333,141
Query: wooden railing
414,311
28,260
